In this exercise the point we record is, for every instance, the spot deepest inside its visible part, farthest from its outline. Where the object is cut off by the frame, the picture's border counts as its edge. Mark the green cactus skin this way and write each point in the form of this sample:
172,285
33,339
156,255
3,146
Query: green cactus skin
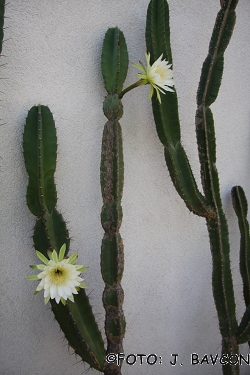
2,10
114,69
114,60
40,145
210,81
166,115
241,207
208,205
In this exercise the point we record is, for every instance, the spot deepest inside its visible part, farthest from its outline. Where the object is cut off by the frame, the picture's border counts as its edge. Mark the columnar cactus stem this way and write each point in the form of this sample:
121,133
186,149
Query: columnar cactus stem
217,226
2,10
114,68
112,256
241,207
40,145
208,204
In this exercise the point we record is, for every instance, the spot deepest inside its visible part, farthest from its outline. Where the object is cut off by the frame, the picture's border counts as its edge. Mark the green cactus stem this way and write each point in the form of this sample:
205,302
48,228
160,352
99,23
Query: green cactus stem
241,207
207,204
39,148
166,115
210,81
114,69
2,10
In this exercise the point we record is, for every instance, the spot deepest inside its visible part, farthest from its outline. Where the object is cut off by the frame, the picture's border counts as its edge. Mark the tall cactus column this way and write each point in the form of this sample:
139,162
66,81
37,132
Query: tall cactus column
210,80
2,10
207,204
114,68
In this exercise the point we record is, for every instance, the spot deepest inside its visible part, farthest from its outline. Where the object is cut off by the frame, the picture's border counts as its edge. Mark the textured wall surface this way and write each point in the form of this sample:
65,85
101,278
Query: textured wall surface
52,56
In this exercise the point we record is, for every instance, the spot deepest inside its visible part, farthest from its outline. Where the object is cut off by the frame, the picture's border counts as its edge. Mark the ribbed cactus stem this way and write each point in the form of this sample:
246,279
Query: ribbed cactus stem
241,208
40,145
112,256
209,203
217,226
114,70
2,10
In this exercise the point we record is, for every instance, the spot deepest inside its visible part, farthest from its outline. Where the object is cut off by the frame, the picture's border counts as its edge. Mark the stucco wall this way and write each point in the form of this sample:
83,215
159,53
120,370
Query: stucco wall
52,55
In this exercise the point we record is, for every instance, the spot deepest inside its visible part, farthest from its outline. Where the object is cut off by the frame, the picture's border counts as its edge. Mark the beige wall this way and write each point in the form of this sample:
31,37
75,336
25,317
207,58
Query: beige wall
52,52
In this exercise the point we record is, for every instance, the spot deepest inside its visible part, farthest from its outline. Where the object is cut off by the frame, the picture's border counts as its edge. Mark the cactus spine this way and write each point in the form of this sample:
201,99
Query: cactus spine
208,204
40,145
114,69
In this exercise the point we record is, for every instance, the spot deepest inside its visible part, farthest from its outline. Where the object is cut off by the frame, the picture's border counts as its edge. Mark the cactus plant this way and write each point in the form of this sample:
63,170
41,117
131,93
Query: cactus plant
50,233
39,148
207,204
114,70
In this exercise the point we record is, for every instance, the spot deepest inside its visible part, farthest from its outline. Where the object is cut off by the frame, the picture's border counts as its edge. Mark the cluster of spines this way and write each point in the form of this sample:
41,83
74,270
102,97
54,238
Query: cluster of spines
39,147
114,70
207,204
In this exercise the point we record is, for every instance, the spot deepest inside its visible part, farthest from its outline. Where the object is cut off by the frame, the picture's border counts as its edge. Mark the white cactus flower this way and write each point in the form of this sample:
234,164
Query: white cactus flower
159,76
59,277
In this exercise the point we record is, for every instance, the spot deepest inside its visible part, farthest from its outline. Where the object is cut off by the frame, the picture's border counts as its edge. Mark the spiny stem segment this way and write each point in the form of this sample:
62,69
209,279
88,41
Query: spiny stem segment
114,60
114,68
2,10
166,114
39,148
241,207
210,82
209,203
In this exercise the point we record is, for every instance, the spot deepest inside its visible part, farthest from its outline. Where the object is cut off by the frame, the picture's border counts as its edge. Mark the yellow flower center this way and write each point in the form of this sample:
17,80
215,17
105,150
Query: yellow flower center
59,274
162,72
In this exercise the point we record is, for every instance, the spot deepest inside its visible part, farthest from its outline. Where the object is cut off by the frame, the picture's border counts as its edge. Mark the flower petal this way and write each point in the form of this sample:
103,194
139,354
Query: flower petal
81,268
54,256
72,259
46,300
33,277
140,67
42,257
62,252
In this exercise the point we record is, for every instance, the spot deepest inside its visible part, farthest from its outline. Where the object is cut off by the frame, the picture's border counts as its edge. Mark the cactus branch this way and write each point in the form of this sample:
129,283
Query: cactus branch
112,175
39,147
2,10
166,114
209,203
241,207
